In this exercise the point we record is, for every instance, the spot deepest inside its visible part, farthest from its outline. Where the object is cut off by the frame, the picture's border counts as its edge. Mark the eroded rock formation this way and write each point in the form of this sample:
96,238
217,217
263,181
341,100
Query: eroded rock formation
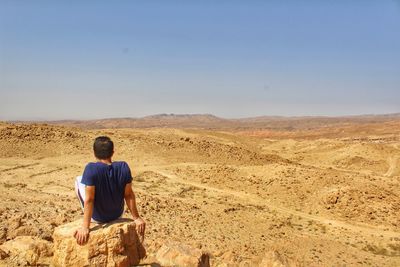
115,244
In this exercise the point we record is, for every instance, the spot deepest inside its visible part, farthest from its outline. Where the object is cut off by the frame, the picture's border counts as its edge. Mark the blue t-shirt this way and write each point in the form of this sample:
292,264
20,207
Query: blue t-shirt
109,182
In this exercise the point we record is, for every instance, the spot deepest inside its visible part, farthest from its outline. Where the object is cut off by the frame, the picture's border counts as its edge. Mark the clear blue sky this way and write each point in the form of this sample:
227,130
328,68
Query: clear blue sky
95,59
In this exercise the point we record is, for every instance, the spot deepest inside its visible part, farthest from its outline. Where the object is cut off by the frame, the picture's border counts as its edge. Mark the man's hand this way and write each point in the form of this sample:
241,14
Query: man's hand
140,226
81,235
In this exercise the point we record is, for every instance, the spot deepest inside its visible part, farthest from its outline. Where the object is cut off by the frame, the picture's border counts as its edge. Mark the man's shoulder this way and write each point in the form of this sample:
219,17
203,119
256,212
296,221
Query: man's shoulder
120,164
91,165
123,167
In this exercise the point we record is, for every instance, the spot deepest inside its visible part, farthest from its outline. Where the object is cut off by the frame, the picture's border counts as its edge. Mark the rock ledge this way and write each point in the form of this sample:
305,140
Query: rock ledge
112,244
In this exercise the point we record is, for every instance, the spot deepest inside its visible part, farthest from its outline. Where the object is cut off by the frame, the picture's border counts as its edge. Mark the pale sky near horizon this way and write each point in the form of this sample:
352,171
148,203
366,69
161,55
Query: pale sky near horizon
102,59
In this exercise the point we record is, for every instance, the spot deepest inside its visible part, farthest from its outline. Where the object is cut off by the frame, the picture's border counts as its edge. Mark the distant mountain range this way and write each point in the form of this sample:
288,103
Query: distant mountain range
208,121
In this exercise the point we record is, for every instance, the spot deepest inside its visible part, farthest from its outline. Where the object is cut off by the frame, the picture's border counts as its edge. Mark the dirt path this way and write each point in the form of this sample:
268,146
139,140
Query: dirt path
343,170
392,166
253,199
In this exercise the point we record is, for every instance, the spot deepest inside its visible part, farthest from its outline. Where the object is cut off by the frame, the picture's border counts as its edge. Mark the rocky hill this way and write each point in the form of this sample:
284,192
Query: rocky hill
207,121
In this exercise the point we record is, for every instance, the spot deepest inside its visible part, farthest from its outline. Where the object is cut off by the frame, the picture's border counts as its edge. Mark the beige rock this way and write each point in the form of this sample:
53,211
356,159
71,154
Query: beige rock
177,254
3,254
112,244
228,256
275,259
228,264
28,250
3,234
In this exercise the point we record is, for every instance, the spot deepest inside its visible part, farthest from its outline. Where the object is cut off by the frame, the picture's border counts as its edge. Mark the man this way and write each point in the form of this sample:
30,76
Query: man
102,189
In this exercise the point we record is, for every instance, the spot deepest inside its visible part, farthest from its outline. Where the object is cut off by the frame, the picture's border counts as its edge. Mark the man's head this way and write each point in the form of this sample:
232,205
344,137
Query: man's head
103,147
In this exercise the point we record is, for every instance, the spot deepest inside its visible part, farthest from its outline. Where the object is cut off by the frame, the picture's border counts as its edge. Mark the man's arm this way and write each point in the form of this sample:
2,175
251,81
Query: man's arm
82,234
130,200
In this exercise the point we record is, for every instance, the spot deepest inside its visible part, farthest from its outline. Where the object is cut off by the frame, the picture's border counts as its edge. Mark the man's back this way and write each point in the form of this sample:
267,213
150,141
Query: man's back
109,181
103,188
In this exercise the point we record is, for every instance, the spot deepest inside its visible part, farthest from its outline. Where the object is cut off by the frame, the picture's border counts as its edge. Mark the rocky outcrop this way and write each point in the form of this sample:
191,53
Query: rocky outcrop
178,254
269,259
3,254
275,259
113,244
27,251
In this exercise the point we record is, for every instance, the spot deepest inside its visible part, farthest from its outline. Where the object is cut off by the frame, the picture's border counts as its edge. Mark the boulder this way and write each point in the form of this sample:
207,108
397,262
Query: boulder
269,259
27,250
276,259
3,254
174,253
112,244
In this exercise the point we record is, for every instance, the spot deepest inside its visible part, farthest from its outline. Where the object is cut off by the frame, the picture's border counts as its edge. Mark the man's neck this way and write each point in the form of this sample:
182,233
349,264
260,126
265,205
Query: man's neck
106,161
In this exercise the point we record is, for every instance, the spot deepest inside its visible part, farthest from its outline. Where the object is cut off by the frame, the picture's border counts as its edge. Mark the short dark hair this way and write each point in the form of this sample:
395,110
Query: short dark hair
103,147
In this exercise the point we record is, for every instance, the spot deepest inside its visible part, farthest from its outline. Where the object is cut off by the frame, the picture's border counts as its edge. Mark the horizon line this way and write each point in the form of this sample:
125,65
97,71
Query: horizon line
204,114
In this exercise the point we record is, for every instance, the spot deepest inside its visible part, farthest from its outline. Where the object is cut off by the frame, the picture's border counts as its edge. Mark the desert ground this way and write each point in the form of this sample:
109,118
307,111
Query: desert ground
321,196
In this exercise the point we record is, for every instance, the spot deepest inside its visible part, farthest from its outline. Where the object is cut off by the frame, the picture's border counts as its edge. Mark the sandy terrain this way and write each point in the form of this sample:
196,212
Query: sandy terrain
322,197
